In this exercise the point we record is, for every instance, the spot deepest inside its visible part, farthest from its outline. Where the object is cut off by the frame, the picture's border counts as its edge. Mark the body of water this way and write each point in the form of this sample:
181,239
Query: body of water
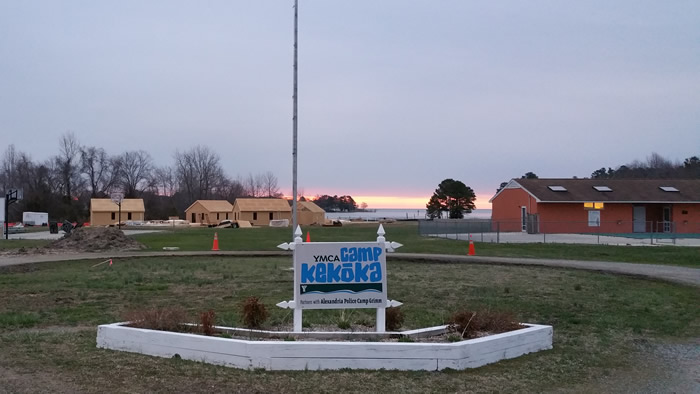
404,214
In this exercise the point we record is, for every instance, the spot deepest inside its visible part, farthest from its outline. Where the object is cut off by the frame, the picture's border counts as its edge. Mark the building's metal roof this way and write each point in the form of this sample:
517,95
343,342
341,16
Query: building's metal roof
621,190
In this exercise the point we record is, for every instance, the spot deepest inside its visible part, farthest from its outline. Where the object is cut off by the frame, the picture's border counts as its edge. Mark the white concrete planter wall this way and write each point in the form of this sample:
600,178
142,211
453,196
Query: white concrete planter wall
317,355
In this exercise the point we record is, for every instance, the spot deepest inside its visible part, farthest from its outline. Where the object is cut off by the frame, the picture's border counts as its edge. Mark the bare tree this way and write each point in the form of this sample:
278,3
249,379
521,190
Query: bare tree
198,172
269,185
9,176
67,162
165,181
232,189
100,170
54,180
656,161
135,172
253,185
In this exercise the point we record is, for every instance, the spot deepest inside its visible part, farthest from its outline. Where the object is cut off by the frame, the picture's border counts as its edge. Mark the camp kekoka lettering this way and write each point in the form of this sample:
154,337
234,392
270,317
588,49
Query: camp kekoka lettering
352,270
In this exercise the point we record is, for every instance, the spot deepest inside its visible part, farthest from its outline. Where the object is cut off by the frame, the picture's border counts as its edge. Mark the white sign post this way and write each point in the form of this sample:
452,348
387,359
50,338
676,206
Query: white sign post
340,275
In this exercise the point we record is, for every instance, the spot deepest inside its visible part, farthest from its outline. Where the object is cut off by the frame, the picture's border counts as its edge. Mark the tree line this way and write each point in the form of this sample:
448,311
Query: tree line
336,204
453,198
64,184
654,167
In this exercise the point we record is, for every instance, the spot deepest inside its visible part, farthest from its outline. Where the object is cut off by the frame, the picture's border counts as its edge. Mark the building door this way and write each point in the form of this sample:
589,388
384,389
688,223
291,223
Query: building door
523,219
194,217
667,220
640,219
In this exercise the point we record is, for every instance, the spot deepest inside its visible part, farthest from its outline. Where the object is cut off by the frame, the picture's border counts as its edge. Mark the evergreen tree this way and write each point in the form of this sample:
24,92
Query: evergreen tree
452,196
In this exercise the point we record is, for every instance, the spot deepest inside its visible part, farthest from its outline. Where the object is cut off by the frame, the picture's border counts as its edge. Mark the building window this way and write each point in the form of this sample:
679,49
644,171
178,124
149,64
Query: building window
128,216
114,215
593,218
270,215
255,216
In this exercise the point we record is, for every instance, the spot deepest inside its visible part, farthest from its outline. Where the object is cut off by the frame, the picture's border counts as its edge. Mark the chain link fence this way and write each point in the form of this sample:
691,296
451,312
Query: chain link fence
532,230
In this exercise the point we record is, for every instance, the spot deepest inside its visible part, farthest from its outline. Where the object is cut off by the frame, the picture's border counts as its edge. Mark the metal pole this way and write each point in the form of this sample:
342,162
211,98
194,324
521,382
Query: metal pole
119,223
294,122
7,204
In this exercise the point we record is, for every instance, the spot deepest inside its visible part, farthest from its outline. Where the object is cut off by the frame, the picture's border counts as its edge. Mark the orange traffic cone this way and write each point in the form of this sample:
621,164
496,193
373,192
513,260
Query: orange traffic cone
308,237
216,242
471,246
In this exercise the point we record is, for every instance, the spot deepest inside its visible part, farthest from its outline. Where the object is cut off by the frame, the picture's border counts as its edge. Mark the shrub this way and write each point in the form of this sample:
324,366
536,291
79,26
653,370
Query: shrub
470,324
344,324
207,321
344,320
394,318
365,321
454,338
253,312
164,319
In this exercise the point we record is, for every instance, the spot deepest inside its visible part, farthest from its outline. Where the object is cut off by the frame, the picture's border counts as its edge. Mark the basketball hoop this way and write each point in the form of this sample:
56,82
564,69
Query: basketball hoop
117,198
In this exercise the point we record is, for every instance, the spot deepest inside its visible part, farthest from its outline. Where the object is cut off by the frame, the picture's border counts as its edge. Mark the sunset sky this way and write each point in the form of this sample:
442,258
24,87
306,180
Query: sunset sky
394,96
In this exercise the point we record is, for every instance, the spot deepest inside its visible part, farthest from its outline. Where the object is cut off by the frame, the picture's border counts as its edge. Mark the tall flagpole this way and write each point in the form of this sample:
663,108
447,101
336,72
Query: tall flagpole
294,124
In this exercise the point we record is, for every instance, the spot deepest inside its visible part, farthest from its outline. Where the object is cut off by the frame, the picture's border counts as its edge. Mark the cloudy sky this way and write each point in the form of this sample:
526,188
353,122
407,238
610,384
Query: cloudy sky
394,96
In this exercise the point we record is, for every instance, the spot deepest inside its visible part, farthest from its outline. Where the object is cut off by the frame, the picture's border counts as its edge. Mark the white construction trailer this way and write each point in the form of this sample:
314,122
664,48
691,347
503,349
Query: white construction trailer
35,218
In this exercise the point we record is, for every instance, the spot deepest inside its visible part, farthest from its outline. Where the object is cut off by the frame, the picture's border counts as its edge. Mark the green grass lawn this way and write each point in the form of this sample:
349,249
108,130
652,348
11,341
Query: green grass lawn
49,314
266,238
14,244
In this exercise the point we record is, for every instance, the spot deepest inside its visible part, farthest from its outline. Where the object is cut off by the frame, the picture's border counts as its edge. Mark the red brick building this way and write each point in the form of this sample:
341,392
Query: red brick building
598,205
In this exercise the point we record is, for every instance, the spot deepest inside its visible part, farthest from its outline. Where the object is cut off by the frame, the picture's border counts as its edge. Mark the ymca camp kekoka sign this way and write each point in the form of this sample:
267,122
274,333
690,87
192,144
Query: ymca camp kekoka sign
339,275
336,275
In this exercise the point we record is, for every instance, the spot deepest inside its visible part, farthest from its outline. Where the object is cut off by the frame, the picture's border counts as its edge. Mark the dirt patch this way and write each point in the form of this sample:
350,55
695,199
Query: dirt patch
95,239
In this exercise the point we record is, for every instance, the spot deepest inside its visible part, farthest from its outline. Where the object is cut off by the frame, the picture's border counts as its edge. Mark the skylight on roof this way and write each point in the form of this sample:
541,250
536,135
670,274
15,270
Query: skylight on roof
602,188
668,188
557,188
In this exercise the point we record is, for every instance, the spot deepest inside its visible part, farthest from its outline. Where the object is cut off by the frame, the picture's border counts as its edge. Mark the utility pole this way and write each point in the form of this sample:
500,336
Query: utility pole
294,122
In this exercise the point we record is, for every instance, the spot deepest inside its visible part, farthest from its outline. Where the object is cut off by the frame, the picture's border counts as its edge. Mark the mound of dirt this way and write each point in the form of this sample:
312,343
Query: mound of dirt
95,239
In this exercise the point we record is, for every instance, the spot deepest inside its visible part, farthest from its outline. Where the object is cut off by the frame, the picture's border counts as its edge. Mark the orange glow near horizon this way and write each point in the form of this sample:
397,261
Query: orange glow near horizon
407,202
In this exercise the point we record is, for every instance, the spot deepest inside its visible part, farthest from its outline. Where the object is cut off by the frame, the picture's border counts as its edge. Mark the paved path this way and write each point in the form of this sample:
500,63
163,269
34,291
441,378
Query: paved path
48,236
682,275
